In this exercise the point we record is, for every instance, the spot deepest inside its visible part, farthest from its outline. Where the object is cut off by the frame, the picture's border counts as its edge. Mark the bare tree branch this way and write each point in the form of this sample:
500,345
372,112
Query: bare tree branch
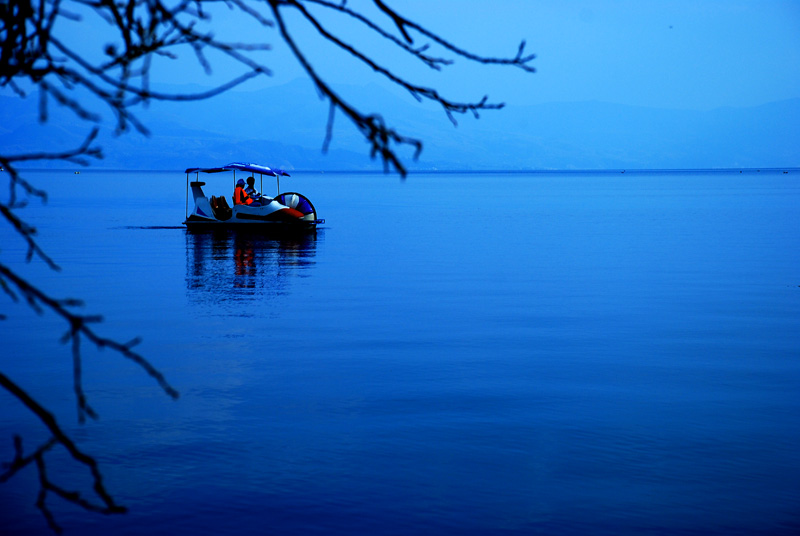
108,505
36,53
402,23
79,325
430,61
371,126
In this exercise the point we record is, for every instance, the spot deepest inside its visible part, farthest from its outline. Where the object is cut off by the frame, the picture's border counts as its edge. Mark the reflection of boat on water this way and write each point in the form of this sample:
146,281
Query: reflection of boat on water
224,265
288,212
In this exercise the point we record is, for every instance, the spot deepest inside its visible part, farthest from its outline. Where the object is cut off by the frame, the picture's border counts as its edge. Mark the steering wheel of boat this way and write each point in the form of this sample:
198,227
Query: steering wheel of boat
298,202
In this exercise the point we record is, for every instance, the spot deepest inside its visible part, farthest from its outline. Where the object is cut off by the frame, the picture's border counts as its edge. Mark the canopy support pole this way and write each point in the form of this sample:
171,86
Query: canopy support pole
186,216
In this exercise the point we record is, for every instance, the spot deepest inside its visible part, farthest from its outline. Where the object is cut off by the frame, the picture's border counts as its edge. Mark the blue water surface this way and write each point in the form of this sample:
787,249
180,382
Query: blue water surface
565,353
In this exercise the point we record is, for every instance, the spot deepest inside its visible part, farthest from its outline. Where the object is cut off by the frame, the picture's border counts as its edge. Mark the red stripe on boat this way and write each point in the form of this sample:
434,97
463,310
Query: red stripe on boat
292,212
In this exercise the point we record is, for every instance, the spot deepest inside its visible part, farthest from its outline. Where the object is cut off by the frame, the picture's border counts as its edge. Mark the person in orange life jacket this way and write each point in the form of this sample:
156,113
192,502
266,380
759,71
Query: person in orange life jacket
240,197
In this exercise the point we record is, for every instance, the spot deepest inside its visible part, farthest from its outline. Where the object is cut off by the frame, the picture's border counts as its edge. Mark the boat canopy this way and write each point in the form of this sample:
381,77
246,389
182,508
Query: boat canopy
241,166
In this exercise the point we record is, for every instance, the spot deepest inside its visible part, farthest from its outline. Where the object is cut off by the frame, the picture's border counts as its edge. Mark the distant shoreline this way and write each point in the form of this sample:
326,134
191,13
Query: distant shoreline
789,169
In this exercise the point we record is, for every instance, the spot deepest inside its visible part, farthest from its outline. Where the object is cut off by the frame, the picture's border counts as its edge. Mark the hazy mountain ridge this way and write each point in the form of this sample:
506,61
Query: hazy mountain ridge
285,126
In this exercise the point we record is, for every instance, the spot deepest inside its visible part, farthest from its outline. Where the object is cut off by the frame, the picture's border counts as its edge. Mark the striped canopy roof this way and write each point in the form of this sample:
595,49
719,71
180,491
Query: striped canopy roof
241,166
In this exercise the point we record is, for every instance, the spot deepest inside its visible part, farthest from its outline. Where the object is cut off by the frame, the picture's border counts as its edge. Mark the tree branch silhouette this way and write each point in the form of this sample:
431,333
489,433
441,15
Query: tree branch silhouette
37,55
381,137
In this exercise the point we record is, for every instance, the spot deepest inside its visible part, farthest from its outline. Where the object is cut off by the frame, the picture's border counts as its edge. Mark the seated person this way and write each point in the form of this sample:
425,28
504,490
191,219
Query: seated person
240,196
253,193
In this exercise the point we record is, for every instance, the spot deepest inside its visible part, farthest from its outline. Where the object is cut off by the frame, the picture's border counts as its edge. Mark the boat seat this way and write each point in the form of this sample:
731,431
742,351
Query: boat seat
220,208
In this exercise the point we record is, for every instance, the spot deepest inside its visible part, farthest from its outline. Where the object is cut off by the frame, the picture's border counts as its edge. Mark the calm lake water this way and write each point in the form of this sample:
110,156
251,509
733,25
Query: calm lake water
456,354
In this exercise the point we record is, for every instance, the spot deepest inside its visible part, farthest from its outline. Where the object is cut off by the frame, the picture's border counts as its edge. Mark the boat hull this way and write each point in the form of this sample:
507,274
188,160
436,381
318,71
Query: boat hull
263,227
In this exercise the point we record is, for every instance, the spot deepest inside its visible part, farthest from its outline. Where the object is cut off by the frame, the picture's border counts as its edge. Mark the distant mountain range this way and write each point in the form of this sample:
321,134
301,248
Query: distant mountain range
285,126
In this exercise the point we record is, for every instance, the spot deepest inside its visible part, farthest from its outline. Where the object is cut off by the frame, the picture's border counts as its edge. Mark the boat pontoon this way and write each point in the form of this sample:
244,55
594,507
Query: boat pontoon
288,211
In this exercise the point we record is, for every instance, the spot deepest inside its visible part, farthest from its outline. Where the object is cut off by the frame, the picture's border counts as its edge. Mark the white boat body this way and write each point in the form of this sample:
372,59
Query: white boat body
286,211
272,212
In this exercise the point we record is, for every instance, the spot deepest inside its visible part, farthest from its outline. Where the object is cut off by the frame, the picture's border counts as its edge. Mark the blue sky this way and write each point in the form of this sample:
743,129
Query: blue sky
675,54
683,54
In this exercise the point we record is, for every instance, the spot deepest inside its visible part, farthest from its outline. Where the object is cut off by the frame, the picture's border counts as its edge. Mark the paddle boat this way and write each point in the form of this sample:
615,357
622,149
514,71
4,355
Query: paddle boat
288,211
